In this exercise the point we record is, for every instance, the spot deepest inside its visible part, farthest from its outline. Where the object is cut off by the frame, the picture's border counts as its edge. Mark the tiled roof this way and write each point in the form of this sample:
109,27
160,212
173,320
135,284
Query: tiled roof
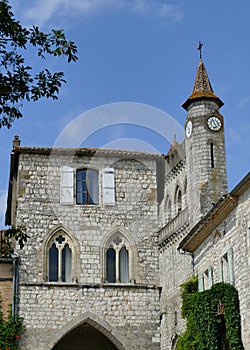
202,88
85,151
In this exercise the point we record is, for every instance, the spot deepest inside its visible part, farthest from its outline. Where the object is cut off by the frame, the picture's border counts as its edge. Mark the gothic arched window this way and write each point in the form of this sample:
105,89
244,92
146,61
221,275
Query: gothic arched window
117,261
59,258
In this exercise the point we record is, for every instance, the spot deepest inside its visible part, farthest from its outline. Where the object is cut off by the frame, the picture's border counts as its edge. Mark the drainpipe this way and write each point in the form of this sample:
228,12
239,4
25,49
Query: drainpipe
15,284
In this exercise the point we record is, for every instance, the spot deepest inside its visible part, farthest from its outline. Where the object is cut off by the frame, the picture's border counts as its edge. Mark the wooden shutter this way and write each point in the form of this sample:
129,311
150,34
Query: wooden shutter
67,185
230,265
108,181
210,276
220,270
200,283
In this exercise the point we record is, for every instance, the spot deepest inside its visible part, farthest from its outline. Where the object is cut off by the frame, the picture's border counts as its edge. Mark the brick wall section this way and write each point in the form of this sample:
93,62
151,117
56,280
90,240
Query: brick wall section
6,285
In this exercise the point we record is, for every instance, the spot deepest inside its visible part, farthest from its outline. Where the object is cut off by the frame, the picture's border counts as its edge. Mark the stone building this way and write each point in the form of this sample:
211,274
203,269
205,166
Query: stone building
102,268
220,245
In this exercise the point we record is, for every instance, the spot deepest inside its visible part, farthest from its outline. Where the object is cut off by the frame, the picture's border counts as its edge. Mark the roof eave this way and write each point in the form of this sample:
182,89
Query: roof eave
191,100
214,217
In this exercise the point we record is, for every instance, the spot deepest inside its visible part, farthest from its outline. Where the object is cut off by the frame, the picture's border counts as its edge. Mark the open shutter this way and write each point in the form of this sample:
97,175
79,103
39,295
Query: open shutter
108,181
220,270
230,265
200,283
67,185
210,276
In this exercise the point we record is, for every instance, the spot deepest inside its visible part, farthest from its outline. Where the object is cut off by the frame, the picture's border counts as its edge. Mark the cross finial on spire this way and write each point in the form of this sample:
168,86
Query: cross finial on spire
200,48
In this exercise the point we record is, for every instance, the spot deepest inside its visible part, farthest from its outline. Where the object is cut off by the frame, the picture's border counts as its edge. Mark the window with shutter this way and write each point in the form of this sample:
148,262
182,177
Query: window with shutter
226,273
87,186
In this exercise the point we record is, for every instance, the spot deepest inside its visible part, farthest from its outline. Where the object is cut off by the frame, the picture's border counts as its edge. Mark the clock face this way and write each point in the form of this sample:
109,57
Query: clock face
214,123
189,128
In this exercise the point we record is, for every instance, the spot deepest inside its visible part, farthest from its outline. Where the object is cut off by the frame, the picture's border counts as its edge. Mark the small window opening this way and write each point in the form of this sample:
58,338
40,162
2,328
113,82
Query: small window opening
212,154
179,199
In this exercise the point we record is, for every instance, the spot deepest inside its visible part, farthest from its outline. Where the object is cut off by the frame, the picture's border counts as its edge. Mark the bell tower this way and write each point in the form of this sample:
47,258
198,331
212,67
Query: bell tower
205,146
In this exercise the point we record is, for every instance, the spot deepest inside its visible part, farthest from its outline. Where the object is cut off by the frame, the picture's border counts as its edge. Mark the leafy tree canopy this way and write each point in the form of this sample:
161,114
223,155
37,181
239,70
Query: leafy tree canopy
17,81
9,238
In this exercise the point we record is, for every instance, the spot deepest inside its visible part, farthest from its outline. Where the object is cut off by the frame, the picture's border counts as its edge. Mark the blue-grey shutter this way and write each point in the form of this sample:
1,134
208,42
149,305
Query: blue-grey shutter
108,180
210,276
230,265
67,185
200,283
220,270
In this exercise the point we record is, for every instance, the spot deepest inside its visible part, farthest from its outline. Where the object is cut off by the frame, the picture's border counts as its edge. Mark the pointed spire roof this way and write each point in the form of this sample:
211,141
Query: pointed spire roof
202,88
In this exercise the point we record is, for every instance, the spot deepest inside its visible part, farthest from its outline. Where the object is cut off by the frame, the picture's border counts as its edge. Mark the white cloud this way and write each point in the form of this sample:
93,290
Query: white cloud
171,11
40,12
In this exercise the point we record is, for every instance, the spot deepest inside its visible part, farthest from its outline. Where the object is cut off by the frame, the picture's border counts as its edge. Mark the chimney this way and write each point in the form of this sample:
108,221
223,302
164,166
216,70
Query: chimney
16,141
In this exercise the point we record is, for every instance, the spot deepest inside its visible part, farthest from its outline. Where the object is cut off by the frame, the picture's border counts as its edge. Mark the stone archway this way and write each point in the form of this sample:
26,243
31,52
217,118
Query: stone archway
85,336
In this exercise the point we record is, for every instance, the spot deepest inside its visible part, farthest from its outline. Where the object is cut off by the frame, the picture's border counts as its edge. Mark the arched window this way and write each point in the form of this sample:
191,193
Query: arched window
111,265
87,186
59,258
178,199
117,261
169,209
123,265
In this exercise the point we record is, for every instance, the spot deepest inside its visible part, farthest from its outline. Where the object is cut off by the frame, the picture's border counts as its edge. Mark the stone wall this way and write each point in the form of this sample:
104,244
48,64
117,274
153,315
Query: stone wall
132,309
130,314
174,268
232,235
206,183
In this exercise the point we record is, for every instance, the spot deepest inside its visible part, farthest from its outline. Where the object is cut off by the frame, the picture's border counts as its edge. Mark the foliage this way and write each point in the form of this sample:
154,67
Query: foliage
17,83
17,234
205,322
189,340
10,330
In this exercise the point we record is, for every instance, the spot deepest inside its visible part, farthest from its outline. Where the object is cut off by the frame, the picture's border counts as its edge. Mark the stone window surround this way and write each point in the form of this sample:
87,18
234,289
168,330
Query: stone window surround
75,169
75,249
225,267
102,196
96,183
175,206
128,242
205,279
74,244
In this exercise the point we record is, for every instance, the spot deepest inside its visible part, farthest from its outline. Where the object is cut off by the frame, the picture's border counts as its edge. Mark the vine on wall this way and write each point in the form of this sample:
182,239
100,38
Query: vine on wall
10,330
213,317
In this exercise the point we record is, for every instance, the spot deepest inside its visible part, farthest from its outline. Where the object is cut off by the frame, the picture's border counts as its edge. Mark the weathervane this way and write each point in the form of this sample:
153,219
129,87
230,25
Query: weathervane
200,48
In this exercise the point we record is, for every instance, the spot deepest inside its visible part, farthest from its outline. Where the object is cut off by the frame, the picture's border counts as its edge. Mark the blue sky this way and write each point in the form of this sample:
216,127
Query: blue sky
139,51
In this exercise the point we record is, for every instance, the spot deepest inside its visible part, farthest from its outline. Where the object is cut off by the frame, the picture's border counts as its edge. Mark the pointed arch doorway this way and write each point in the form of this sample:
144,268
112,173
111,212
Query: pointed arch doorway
86,337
